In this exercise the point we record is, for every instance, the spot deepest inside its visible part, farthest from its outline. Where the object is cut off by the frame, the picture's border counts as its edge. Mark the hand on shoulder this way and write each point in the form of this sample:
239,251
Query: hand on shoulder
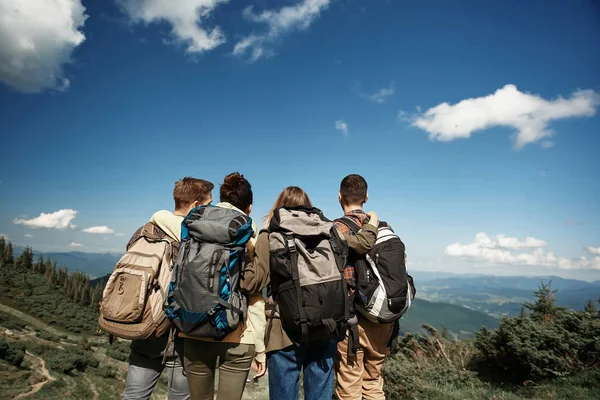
373,218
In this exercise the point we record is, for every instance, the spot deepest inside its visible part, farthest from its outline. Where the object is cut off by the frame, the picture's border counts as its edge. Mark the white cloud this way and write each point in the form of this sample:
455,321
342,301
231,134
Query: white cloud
98,230
119,234
529,114
60,219
503,250
75,244
27,235
186,18
593,250
342,127
278,22
381,95
37,38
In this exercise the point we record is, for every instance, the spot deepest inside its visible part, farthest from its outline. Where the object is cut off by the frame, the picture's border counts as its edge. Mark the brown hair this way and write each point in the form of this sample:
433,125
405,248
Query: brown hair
237,191
291,196
353,190
189,190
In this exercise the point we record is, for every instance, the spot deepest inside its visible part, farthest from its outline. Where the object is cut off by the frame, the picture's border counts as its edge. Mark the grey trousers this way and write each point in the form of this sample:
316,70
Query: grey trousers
145,367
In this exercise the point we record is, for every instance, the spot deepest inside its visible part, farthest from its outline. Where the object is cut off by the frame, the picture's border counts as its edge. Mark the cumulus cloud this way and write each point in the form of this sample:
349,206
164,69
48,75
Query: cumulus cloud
278,23
98,230
37,38
381,95
593,250
60,219
342,127
75,244
508,250
186,18
27,235
119,234
528,114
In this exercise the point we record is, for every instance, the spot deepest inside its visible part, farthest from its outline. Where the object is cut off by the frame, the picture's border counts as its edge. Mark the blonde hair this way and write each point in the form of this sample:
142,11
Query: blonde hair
291,196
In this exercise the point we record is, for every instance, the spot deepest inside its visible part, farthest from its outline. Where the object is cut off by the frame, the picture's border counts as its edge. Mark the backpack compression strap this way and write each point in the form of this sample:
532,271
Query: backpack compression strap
291,246
353,337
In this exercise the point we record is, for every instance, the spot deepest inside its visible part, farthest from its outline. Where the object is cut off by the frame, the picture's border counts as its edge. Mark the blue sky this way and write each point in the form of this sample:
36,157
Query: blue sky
133,95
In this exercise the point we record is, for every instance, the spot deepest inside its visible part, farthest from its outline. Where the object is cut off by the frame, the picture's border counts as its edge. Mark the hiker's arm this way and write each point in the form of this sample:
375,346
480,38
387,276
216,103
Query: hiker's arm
256,274
364,240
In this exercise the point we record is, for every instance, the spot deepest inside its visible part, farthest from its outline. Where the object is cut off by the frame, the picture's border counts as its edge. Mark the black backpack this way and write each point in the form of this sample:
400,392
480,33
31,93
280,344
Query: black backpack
384,288
307,258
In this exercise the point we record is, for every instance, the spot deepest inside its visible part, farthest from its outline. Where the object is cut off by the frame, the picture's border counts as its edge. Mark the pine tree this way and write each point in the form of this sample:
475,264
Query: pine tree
2,247
26,259
39,266
590,308
544,309
8,256
522,314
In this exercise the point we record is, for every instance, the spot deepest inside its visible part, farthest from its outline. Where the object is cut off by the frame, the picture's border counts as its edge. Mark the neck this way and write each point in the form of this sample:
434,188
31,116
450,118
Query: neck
180,213
351,207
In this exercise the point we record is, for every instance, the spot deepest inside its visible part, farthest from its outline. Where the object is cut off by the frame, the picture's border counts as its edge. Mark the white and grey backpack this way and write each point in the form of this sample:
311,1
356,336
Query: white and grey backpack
385,290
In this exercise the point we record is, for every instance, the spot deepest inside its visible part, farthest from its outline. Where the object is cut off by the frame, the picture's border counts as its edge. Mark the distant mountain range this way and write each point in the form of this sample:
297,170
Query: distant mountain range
501,295
94,264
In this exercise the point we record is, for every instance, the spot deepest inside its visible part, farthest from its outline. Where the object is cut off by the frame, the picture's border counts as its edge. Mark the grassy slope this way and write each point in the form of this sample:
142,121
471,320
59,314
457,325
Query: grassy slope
457,319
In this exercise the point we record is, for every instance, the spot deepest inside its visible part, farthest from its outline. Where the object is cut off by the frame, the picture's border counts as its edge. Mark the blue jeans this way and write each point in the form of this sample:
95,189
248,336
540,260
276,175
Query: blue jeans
145,367
316,362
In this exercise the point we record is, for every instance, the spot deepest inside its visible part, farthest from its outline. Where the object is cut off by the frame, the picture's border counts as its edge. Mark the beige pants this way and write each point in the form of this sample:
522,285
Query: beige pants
361,377
202,358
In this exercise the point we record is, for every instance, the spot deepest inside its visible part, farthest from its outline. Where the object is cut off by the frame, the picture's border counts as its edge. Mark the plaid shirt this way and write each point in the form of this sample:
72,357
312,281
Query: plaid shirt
360,218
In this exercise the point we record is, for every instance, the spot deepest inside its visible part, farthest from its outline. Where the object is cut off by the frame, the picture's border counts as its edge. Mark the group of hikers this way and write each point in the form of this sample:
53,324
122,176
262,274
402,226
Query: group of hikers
202,289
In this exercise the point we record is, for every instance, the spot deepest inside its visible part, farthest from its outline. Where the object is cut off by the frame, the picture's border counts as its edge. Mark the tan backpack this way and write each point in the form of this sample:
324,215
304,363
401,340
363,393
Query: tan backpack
132,302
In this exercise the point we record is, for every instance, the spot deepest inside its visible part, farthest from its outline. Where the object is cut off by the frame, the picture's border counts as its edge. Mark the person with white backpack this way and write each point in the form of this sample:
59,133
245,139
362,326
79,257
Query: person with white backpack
132,301
380,291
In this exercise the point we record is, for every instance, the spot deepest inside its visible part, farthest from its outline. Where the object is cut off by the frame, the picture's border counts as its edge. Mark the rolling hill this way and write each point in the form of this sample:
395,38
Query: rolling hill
459,320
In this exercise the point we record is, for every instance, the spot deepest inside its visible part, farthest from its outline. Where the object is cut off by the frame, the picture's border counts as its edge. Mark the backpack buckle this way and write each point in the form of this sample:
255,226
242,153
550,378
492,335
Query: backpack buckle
291,245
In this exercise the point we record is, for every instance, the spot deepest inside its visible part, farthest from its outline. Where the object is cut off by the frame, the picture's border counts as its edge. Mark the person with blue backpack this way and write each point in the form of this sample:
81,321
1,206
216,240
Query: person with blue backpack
222,328
300,258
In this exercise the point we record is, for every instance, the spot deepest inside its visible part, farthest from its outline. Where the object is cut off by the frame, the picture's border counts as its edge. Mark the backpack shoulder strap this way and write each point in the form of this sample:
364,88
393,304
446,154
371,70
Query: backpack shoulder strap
349,222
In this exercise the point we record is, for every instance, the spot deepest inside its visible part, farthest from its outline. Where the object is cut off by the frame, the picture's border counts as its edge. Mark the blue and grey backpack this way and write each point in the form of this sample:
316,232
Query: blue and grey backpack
204,298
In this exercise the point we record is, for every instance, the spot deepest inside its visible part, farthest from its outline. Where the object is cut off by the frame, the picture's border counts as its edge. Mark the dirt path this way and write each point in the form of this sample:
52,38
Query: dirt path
93,388
44,371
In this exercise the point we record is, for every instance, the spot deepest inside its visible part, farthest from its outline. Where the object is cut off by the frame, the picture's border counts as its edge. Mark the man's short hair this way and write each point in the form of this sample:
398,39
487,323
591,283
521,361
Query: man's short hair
353,189
189,190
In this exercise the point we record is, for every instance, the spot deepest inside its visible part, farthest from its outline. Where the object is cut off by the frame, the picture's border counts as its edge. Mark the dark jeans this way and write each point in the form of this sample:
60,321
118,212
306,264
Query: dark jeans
145,367
201,359
315,360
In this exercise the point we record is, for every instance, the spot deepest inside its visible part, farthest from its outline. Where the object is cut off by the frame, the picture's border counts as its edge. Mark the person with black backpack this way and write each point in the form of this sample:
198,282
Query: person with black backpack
299,258
380,290
222,328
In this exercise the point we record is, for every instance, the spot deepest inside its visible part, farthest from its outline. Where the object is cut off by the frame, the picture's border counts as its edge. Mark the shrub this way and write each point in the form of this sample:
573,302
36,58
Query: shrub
47,336
106,371
13,353
541,345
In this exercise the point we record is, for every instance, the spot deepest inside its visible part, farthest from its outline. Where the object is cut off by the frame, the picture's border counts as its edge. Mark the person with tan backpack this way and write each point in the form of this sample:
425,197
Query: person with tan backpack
134,295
